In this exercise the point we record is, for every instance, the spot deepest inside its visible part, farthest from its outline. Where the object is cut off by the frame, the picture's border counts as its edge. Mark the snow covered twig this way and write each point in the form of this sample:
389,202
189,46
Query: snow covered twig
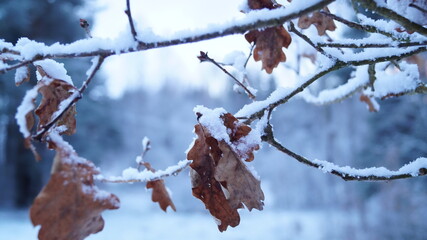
132,175
413,169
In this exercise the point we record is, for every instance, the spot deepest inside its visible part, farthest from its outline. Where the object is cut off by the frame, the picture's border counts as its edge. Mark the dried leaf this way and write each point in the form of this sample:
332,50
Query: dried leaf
237,131
160,193
205,187
54,93
70,205
219,177
269,43
260,4
319,20
242,186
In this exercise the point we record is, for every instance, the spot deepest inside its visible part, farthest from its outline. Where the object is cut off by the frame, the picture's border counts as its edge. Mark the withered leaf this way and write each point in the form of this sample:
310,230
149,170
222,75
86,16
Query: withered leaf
205,187
54,93
260,4
321,21
70,205
242,186
159,194
219,177
268,46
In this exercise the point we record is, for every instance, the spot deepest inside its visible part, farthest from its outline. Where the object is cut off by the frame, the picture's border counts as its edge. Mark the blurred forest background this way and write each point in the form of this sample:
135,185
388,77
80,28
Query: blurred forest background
109,132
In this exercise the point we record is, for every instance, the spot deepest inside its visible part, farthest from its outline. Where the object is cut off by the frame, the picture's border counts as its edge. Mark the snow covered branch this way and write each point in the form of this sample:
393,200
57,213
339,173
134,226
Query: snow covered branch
412,169
132,175
27,51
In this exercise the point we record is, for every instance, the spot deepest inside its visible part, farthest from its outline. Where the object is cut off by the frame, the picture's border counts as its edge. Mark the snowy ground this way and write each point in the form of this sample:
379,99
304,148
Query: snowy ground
131,222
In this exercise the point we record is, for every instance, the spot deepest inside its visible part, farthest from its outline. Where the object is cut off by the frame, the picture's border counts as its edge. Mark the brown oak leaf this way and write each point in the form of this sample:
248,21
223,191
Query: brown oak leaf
319,20
70,205
268,46
159,194
260,4
241,185
54,93
219,177
205,187
268,42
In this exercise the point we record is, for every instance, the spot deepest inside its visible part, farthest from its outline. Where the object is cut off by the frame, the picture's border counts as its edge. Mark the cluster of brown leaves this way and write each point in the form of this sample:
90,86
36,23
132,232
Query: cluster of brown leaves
268,42
319,20
219,177
160,193
70,205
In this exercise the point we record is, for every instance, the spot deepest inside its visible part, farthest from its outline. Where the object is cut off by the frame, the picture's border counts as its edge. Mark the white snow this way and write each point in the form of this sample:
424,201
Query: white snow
54,70
411,168
26,106
145,175
406,80
21,74
328,96
211,120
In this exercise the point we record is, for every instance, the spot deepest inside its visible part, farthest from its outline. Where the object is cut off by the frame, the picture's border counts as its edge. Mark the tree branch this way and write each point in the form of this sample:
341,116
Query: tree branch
205,58
131,24
390,14
346,173
146,175
71,100
251,21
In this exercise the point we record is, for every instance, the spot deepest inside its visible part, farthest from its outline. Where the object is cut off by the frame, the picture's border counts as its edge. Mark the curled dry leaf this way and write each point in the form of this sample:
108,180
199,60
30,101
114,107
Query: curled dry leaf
319,20
220,179
70,205
260,4
269,41
268,46
55,94
160,193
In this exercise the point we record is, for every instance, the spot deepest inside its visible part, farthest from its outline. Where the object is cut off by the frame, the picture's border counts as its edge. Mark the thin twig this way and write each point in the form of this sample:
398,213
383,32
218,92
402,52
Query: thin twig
249,56
308,40
132,26
205,58
372,45
269,138
418,7
72,100
85,25
158,177
338,65
367,28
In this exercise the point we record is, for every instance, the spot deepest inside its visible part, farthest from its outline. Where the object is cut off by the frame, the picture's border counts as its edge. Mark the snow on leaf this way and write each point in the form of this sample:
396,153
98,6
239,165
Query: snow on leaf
55,93
25,118
319,20
22,75
70,205
205,186
160,193
220,179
